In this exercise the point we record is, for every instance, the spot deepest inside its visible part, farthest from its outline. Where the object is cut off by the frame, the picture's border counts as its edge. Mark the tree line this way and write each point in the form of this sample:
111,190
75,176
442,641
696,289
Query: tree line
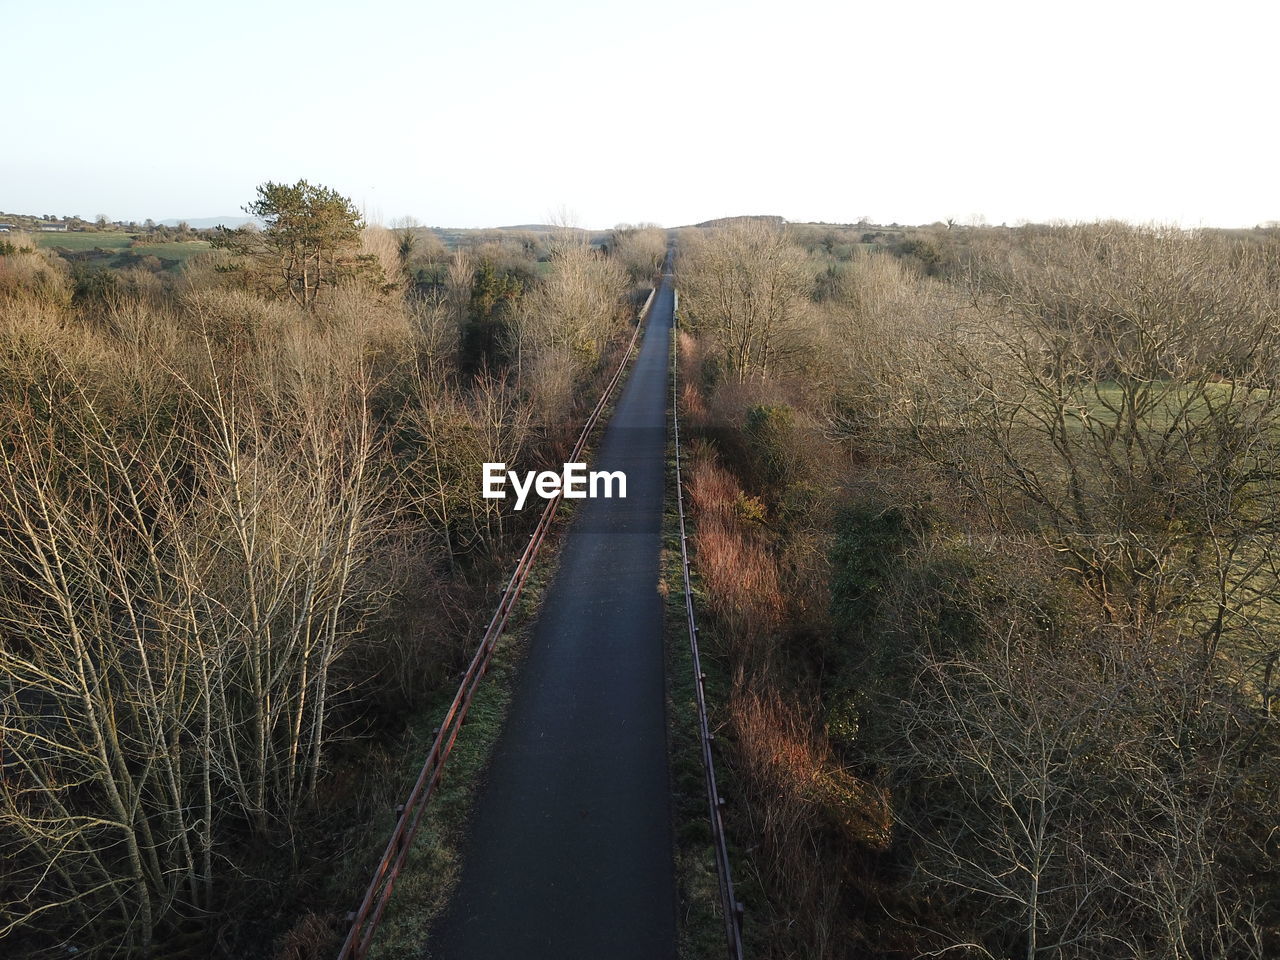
986,518
241,533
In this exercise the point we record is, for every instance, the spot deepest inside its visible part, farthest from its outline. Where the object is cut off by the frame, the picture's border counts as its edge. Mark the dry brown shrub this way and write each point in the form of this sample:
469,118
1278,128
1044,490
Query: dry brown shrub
146,285
740,575
207,270
237,319
381,244
33,276
778,759
712,490
551,381
640,250
786,758
44,351
363,327
689,354
798,796
693,414
575,310
778,749
311,938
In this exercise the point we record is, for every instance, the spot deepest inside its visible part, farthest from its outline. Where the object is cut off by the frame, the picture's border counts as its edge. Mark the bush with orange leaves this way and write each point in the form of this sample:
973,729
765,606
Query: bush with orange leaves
806,821
740,576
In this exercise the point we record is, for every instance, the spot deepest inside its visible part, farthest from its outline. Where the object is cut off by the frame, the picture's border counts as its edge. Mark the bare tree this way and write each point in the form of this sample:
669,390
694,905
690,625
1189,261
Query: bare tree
458,280
1053,803
567,319
747,286
1114,394
640,249
458,432
173,605
990,796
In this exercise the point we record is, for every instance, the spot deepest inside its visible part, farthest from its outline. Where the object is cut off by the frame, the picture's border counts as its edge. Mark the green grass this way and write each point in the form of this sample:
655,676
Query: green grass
432,869
76,242
1248,640
116,250
434,863
174,249
1164,403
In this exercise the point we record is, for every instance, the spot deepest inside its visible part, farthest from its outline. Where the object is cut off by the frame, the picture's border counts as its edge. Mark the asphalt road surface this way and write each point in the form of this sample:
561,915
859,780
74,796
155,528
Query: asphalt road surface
570,849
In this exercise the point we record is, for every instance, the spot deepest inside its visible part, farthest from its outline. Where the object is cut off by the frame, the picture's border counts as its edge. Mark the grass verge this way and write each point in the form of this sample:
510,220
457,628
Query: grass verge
434,864
432,869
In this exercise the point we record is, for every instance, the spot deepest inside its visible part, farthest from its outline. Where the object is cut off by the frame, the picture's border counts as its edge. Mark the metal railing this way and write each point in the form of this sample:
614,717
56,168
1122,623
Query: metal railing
364,921
730,906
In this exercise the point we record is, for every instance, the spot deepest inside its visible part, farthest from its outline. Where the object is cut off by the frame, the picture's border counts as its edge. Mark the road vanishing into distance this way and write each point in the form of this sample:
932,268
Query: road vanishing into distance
569,855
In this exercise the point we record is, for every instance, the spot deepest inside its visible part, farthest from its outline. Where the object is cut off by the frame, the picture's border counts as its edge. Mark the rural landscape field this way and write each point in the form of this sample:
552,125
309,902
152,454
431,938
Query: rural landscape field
919,592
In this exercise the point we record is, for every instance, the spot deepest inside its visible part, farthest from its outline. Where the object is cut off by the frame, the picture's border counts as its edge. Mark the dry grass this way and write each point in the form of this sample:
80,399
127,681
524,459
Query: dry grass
312,937
32,276
739,574
806,819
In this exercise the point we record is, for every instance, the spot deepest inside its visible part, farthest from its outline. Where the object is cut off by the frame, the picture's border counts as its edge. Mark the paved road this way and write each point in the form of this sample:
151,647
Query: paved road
570,852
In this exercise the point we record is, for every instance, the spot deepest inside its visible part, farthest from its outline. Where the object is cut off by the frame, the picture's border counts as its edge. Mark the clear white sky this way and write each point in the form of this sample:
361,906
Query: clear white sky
487,112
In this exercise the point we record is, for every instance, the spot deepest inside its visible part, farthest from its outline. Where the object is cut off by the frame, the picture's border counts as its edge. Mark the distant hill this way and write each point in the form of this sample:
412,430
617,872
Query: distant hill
208,223
541,228
727,221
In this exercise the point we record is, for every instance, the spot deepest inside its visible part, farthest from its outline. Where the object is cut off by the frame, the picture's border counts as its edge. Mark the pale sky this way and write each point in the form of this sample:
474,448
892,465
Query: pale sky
489,112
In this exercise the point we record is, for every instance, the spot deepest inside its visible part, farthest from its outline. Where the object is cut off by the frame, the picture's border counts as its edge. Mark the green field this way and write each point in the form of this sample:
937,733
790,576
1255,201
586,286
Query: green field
1251,578
114,245
83,241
